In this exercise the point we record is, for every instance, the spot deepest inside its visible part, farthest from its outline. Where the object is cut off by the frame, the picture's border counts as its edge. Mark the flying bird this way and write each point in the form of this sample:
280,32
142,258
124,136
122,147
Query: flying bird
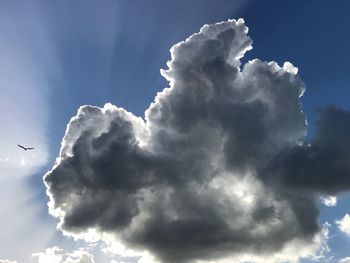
25,148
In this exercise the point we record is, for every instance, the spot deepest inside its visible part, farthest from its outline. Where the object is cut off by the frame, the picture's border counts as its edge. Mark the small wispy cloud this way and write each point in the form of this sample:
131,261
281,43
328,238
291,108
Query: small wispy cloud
4,160
57,255
23,161
345,260
329,200
7,261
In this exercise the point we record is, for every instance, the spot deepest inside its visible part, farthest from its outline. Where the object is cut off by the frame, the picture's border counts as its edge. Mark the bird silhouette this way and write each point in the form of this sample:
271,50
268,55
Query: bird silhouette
25,148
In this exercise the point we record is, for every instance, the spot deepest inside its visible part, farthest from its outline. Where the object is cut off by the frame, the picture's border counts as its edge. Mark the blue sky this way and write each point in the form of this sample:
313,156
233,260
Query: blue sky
58,55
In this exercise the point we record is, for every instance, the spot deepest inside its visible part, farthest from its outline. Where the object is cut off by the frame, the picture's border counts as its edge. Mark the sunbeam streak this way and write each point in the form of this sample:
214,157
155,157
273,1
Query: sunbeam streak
23,102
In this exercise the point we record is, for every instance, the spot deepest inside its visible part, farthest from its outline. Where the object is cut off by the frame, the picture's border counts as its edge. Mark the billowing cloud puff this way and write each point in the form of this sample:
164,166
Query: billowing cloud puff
208,173
329,200
322,167
345,260
57,255
344,224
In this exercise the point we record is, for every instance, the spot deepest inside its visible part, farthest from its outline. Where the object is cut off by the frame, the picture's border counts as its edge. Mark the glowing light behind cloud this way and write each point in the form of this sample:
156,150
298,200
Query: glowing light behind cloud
26,57
26,66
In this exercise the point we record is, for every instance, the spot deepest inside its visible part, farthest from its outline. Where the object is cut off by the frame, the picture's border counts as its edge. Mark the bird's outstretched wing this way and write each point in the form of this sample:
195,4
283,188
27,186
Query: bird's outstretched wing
29,148
21,146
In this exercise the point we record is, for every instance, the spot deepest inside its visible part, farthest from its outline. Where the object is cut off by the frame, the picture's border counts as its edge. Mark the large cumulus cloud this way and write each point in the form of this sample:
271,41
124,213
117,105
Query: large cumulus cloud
207,173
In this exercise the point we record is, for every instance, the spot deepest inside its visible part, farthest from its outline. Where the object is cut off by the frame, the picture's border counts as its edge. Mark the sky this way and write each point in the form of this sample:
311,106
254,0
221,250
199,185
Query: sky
174,131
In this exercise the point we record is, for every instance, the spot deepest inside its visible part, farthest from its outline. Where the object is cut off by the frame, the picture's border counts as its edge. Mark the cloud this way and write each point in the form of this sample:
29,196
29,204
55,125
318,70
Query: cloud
321,167
344,224
329,200
207,174
57,255
7,261
4,160
345,260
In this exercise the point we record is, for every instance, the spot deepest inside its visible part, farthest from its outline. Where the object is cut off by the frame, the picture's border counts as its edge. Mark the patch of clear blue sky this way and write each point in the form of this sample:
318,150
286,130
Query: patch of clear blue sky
111,51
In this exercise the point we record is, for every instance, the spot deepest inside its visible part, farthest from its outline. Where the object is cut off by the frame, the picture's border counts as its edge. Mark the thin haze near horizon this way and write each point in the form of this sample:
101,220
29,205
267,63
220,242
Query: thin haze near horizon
237,160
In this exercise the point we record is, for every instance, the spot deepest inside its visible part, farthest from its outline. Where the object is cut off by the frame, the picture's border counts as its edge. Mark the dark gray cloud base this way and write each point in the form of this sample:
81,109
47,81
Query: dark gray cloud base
218,165
319,167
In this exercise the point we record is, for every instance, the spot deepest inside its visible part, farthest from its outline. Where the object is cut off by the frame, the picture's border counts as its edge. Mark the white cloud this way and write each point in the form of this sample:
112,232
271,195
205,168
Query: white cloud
329,200
344,224
7,261
50,255
345,260
57,255
4,160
